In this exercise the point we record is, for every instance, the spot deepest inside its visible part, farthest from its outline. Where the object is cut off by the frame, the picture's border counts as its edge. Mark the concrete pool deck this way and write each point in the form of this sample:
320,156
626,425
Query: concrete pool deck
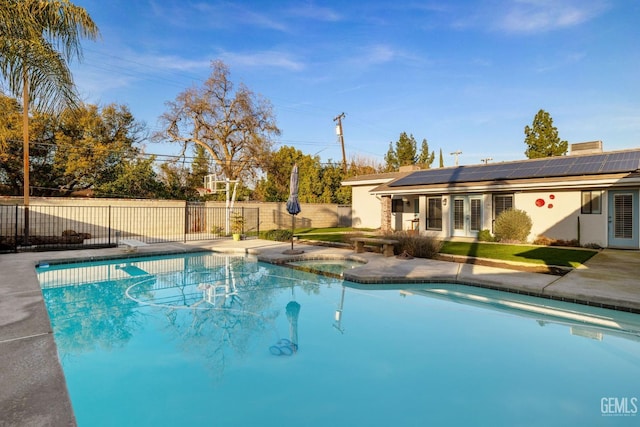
34,393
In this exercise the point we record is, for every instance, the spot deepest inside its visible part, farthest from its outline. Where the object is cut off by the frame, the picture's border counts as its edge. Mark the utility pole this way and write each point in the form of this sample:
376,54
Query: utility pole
486,160
341,136
456,154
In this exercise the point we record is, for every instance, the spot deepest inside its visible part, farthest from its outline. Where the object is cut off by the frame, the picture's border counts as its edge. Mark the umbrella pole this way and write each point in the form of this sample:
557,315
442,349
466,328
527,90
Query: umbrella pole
293,223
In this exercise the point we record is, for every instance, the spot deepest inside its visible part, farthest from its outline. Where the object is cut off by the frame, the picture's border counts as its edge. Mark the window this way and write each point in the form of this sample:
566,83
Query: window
476,214
502,203
458,214
397,206
434,213
591,202
623,216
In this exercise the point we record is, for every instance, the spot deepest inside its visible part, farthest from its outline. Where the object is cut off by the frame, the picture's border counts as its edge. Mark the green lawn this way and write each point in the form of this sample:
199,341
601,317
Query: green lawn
545,255
540,255
332,230
333,235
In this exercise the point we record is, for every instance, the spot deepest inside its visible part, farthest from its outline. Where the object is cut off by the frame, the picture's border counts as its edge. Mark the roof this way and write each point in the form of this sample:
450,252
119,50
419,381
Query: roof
374,178
548,167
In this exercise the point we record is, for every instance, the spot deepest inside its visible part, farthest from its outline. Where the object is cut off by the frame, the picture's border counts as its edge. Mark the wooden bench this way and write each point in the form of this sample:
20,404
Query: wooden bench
132,244
387,244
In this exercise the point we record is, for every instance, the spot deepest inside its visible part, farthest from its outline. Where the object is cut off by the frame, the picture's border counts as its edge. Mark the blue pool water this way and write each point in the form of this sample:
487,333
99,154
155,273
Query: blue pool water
206,339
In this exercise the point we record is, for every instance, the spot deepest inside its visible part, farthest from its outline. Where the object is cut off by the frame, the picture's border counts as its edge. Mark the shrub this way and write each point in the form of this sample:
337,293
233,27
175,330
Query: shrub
485,236
547,241
416,245
592,246
512,226
543,241
278,235
571,243
237,223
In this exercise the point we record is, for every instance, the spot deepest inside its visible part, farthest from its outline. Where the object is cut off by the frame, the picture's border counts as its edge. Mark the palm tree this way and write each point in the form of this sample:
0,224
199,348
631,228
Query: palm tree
37,39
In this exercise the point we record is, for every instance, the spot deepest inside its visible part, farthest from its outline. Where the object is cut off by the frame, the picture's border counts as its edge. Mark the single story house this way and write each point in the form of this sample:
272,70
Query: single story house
588,195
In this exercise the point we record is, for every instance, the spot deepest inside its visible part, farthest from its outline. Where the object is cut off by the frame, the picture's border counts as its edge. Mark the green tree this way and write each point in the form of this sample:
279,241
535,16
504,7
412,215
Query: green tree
332,174
10,145
38,38
175,179
42,130
391,159
91,142
235,126
441,159
363,166
199,168
134,178
542,138
274,187
425,159
404,152
78,149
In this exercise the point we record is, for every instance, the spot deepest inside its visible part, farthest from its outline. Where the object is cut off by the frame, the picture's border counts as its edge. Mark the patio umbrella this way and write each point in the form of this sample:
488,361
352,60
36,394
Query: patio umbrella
293,205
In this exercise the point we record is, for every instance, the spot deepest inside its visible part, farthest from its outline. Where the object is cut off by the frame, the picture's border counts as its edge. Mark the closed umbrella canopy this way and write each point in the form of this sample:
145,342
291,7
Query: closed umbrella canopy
293,205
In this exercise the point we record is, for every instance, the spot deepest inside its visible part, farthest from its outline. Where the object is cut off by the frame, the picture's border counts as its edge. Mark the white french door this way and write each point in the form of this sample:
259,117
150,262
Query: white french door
623,219
466,216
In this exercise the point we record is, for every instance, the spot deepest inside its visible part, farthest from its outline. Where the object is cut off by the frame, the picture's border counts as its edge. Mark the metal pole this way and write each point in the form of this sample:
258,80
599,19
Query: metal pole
293,227
15,235
25,153
109,227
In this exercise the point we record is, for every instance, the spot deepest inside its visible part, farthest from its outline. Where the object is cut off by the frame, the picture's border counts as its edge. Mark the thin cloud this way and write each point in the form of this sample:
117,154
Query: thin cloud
271,58
314,12
379,54
262,20
215,15
569,59
536,16
526,16
175,63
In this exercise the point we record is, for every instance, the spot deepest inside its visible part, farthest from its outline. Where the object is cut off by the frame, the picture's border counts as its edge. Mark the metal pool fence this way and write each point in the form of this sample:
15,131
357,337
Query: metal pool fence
41,228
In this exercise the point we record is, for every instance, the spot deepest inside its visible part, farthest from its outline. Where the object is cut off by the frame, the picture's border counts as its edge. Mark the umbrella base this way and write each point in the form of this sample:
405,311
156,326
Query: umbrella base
293,252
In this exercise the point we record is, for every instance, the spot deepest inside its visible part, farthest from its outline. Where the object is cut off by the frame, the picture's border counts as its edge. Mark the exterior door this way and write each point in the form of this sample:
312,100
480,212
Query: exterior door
467,216
623,219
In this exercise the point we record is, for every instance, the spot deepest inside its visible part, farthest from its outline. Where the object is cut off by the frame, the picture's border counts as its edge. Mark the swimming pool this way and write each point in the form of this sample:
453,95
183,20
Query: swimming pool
225,340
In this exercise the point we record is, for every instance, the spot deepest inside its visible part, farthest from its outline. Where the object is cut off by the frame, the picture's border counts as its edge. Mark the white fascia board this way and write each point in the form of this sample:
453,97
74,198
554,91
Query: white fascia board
375,182
610,182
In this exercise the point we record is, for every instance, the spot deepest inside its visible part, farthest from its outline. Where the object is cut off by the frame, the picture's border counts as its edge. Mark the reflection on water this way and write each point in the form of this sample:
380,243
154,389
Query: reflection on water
590,322
209,305
161,336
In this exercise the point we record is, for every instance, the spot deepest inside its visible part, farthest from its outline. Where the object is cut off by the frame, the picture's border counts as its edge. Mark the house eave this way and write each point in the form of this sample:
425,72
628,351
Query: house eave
602,181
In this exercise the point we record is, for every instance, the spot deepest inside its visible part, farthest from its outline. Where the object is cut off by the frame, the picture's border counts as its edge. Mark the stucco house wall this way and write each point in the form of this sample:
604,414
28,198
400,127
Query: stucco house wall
366,209
552,213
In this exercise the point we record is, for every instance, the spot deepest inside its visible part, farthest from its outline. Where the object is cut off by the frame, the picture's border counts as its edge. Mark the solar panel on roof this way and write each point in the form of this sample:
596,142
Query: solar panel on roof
539,168
618,162
583,168
523,172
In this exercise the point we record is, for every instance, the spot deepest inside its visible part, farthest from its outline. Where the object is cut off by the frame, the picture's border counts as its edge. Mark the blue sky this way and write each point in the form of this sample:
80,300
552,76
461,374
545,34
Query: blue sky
465,75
